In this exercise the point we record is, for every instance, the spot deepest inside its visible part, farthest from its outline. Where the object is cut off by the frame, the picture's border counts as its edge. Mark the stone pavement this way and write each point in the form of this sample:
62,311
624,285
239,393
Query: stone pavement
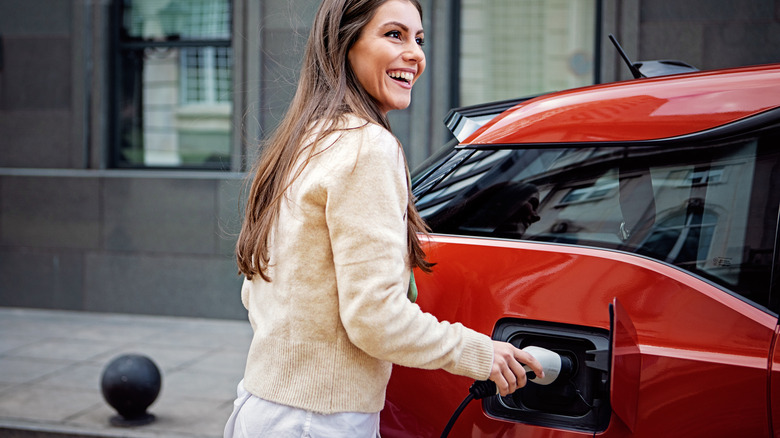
51,363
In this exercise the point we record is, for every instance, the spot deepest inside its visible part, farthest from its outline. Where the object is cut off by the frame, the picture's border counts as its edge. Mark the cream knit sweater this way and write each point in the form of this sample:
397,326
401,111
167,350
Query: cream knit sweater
335,314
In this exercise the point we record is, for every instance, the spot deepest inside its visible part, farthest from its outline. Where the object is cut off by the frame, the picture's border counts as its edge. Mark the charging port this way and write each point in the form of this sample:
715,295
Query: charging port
578,401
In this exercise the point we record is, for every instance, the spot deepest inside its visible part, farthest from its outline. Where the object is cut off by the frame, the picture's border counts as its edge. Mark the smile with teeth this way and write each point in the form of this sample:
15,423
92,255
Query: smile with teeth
401,76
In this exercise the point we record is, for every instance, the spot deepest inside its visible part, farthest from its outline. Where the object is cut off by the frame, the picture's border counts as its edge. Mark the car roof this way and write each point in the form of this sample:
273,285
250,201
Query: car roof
636,110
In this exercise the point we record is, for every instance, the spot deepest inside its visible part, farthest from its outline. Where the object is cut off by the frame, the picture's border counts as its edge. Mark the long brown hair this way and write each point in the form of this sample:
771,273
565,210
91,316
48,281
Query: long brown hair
327,90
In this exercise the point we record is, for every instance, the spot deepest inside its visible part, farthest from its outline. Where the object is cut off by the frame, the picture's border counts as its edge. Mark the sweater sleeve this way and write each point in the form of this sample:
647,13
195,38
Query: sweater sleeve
366,218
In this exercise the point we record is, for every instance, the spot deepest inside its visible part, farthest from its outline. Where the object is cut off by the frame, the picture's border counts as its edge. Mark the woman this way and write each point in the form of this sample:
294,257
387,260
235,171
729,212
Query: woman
329,239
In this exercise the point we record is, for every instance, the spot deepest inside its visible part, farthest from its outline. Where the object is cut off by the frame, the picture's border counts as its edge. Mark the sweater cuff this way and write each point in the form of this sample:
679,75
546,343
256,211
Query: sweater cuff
477,356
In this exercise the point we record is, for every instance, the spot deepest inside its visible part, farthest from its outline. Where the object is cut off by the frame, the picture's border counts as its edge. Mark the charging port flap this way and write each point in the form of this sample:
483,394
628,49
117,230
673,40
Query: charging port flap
626,365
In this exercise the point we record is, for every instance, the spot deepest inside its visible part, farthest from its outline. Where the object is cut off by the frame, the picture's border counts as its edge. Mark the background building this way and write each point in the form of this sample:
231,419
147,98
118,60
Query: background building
126,127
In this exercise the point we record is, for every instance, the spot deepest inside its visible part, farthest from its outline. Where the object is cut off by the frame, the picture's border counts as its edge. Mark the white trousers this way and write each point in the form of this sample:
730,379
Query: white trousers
254,417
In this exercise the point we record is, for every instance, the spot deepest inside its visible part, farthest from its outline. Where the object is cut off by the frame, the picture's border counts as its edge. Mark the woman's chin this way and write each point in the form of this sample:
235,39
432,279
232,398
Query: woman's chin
398,105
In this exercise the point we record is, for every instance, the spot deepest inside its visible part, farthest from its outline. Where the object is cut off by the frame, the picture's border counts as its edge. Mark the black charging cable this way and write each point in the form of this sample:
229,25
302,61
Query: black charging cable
479,390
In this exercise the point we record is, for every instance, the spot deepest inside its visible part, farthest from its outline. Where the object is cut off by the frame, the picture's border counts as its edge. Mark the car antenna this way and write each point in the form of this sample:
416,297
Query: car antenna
634,70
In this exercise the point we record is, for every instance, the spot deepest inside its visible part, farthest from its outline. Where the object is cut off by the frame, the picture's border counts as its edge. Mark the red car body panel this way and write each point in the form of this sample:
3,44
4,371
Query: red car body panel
705,336
645,109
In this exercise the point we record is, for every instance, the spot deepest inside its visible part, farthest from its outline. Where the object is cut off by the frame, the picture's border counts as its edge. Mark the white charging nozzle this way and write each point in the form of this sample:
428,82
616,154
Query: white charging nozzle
553,364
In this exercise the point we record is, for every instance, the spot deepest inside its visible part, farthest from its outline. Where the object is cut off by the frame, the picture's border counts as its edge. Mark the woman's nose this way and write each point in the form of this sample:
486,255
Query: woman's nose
414,52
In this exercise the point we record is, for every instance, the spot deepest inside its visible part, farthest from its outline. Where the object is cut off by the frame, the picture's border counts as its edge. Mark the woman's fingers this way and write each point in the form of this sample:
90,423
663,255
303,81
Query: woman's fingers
511,378
504,373
516,367
508,373
525,358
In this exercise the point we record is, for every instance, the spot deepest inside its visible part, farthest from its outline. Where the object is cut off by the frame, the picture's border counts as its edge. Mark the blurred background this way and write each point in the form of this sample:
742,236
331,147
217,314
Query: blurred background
127,126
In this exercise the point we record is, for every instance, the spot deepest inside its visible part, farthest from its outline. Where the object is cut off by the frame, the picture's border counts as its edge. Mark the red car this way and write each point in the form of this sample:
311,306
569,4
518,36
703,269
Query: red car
631,228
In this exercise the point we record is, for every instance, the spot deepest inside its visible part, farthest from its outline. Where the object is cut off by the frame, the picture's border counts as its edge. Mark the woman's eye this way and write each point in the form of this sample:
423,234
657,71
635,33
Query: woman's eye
393,34
420,41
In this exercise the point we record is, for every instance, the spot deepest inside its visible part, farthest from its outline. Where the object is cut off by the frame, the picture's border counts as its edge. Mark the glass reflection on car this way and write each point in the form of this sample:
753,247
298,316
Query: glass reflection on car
699,207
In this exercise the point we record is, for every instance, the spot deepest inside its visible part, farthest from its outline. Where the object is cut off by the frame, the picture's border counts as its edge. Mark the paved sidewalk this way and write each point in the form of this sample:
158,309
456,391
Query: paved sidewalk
51,363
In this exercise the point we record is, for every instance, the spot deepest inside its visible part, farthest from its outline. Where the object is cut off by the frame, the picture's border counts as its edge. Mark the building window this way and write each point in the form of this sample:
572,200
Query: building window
518,48
205,77
173,73
598,191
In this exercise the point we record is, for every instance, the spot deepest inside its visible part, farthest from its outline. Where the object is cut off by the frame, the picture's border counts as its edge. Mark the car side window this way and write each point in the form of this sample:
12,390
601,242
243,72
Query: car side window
710,209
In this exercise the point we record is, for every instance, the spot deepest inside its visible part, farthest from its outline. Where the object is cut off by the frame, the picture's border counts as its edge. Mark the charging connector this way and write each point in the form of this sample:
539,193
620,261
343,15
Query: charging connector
554,365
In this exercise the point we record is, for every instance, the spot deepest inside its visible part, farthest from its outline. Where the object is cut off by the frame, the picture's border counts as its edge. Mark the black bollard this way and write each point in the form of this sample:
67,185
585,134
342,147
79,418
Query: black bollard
130,384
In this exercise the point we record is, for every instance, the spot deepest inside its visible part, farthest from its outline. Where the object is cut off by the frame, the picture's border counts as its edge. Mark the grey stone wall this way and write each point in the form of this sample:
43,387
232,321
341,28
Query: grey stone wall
161,243
73,234
35,84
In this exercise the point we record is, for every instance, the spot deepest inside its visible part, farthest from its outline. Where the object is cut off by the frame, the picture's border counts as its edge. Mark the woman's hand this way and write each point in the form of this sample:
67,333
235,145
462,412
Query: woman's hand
508,373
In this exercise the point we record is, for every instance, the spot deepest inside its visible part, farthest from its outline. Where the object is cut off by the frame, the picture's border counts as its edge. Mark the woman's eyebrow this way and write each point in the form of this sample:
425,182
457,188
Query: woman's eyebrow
403,27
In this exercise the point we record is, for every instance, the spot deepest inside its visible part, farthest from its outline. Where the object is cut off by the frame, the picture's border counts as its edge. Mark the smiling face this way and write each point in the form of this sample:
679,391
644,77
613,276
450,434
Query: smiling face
387,58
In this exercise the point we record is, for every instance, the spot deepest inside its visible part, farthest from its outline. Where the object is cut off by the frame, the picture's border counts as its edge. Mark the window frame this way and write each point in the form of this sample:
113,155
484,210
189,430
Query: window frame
456,22
118,47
